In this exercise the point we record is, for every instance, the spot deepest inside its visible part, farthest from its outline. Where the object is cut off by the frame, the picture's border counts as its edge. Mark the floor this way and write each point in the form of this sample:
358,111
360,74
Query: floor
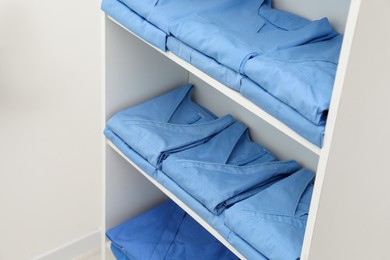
95,255
91,255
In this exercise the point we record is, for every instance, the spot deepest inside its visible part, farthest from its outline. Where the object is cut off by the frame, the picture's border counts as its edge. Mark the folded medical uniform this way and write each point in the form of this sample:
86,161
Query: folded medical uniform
301,77
166,124
226,169
236,33
273,221
165,232
248,88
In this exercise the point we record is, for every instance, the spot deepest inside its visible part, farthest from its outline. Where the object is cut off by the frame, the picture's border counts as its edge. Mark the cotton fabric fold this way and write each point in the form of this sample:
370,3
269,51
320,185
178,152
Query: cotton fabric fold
165,232
166,124
280,110
273,221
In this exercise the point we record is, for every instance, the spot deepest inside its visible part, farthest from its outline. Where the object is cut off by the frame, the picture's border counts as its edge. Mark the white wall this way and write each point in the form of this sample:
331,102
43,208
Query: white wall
50,152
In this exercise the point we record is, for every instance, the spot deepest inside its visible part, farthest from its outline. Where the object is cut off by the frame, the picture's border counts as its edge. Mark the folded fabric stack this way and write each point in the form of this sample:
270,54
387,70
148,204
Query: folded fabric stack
165,232
212,165
283,63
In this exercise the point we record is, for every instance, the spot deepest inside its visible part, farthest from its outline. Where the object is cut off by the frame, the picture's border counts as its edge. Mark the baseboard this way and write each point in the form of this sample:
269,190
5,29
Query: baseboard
74,248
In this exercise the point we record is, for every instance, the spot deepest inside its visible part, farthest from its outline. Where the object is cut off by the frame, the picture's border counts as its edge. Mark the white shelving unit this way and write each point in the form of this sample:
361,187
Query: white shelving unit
136,71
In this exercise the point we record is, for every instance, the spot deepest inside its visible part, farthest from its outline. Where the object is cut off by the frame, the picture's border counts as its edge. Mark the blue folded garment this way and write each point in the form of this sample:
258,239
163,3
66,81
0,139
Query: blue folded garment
165,232
219,186
300,124
130,153
286,114
222,31
273,221
231,146
166,124
206,64
301,77
234,31
293,59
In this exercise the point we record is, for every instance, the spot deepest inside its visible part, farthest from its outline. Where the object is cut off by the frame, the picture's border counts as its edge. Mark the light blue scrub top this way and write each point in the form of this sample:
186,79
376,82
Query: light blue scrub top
280,110
235,35
166,124
273,221
218,186
165,232
301,77
226,169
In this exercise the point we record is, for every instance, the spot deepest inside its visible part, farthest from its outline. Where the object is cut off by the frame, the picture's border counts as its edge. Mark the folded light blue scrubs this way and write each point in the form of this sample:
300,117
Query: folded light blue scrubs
301,77
166,124
165,232
226,169
234,33
300,124
273,221
223,74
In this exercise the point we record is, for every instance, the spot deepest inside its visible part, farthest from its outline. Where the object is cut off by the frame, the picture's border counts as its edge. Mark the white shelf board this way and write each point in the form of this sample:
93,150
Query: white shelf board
234,95
181,204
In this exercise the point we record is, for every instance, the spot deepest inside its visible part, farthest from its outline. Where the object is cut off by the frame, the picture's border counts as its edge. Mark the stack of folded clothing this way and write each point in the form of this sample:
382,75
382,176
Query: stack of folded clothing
283,63
213,166
273,221
165,232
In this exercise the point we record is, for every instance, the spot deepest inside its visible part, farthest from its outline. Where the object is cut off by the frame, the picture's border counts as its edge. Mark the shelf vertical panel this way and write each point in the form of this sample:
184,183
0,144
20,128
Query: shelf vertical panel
353,206
133,73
